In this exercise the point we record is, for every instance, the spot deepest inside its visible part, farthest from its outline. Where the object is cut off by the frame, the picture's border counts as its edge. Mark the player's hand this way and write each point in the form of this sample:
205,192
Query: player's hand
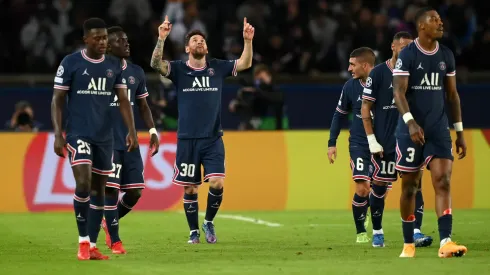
460,145
416,133
132,141
374,147
60,145
248,30
332,154
154,144
164,29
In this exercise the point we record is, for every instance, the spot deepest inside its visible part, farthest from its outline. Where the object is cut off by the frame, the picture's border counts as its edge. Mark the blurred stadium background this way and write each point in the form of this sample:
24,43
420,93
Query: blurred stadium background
276,137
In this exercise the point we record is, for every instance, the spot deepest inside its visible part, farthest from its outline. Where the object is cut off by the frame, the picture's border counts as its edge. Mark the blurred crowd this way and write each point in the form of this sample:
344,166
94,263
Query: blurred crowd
292,36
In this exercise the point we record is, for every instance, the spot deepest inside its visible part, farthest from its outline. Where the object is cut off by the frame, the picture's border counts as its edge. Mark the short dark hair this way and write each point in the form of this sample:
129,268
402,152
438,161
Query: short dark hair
400,35
191,34
114,29
21,105
93,23
261,68
364,53
419,15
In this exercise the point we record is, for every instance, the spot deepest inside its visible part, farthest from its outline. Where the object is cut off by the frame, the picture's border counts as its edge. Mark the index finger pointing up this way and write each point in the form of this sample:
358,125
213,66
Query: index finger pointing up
166,19
244,20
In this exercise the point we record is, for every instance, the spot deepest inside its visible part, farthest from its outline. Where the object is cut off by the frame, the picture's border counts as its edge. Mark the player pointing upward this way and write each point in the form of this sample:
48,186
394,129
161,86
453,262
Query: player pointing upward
424,76
85,80
199,84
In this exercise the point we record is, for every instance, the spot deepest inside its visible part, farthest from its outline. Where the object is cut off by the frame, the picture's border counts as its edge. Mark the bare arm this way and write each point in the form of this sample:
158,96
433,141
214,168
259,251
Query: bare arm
453,99
126,110
157,63
145,113
400,84
366,116
245,60
57,104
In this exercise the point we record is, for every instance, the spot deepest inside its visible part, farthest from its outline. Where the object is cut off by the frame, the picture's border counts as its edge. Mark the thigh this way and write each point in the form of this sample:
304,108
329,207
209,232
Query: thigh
132,171
212,153
79,151
440,147
360,163
115,177
384,168
187,167
102,159
409,156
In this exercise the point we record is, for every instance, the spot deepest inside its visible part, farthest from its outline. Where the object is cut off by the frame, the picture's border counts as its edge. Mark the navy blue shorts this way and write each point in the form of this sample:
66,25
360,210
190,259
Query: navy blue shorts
411,157
360,163
192,153
384,168
81,151
128,170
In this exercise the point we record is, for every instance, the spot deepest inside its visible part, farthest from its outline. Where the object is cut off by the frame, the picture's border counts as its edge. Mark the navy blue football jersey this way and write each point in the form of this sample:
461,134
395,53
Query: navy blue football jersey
89,84
199,96
427,72
351,101
136,82
379,90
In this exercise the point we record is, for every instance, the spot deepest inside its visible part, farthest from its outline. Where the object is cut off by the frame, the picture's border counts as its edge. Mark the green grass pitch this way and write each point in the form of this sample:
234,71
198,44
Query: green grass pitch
289,242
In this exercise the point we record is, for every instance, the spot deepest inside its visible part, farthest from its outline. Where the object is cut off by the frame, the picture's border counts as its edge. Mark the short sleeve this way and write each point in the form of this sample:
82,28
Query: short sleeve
403,63
343,105
141,91
172,69
227,67
451,64
370,92
62,80
120,82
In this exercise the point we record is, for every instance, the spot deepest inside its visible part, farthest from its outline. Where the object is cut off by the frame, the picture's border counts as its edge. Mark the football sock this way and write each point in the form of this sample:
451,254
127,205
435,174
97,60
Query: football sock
445,223
359,210
419,210
377,202
408,226
215,197
191,209
126,203
95,215
111,218
81,206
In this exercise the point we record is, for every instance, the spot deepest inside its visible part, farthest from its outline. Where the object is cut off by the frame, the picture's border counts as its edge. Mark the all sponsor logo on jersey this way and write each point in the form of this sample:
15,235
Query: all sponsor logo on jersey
96,86
49,183
430,81
201,84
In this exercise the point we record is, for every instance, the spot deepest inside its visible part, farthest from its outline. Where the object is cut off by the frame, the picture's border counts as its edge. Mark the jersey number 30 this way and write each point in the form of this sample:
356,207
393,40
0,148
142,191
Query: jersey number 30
187,170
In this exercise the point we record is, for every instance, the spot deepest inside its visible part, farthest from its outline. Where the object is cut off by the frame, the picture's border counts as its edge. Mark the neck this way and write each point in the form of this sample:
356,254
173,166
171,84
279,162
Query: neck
427,43
393,61
92,54
197,63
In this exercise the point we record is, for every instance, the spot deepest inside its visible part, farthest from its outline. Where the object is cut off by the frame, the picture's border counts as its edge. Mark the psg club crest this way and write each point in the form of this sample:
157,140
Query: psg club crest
211,71
131,80
442,65
398,64
109,73
369,82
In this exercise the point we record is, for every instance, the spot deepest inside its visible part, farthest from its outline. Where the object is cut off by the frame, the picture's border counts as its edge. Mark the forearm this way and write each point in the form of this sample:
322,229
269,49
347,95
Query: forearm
57,105
127,115
335,128
245,60
455,106
366,117
157,62
146,115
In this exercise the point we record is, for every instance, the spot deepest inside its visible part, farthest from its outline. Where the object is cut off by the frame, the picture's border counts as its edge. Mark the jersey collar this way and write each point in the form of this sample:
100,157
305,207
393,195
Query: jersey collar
424,51
388,64
194,68
124,64
85,56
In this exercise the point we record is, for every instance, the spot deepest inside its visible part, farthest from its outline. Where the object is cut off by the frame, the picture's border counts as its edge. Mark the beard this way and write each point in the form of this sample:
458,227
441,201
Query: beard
198,54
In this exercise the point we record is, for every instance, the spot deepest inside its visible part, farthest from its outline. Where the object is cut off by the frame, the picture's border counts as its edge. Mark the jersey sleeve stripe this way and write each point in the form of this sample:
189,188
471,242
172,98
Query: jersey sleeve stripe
143,95
368,98
59,87
341,111
400,72
234,72
121,86
451,73
169,68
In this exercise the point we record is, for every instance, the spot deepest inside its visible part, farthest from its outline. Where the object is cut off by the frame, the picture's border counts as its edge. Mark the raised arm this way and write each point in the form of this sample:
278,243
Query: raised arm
157,62
57,104
455,105
245,60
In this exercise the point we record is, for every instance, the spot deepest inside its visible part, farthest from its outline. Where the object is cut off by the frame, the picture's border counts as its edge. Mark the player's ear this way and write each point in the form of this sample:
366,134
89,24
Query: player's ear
392,46
186,49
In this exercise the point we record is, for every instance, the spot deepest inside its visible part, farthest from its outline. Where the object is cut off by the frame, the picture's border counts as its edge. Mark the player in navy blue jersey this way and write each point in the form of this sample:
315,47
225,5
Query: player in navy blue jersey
199,84
380,130
85,80
361,62
127,166
424,77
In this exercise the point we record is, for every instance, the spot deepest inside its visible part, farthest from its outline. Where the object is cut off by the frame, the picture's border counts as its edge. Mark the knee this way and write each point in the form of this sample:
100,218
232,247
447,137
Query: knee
190,190
362,188
409,190
134,194
111,192
442,182
216,183
83,183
